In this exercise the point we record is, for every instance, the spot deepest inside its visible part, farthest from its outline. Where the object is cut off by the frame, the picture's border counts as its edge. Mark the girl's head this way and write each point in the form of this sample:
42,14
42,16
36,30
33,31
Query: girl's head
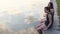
50,5
47,10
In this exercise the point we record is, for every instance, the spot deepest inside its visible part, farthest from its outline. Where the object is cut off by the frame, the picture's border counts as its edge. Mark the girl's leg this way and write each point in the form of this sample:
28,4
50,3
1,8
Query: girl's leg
40,31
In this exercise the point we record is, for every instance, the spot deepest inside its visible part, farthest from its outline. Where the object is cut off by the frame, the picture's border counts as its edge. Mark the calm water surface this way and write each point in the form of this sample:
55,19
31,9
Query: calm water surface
18,16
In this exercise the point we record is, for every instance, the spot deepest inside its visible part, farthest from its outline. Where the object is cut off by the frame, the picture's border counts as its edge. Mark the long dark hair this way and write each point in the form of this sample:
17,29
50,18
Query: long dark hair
51,5
47,8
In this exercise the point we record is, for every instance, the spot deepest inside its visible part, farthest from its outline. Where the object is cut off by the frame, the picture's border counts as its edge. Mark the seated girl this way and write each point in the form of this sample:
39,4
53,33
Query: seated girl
45,25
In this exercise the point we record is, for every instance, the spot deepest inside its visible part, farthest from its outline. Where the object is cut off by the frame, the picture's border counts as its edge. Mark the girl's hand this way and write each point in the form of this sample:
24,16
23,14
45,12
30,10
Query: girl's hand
41,25
43,20
46,28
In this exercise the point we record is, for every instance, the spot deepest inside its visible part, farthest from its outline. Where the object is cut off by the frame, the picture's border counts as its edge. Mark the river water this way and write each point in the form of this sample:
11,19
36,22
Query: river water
20,15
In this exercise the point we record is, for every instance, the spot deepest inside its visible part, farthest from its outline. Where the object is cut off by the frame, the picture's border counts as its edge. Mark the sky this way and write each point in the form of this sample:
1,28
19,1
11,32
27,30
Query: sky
17,7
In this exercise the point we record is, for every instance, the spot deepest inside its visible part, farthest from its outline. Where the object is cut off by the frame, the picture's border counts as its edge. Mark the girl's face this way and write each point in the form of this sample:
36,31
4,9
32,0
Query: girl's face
48,5
46,11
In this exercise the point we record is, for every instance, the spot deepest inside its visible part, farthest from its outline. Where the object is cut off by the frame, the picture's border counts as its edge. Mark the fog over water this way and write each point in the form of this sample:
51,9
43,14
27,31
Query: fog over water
19,14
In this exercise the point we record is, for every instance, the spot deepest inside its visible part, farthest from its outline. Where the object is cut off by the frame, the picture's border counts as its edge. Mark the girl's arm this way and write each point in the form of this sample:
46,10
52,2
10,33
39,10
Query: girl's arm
52,10
50,20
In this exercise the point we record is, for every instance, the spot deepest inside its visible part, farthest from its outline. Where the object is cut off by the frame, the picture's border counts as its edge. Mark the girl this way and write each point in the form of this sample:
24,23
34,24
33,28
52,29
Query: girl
48,22
45,25
50,5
